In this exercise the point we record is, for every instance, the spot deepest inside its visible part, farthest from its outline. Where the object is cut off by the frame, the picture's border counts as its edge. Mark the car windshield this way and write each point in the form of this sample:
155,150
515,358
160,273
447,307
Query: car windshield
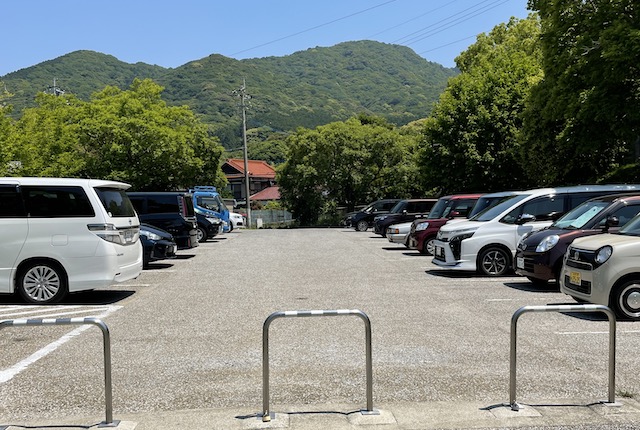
493,211
439,208
486,202
576,218
632,228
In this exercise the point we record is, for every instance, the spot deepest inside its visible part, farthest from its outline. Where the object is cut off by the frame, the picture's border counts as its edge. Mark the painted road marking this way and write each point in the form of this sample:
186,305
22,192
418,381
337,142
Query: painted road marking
99,312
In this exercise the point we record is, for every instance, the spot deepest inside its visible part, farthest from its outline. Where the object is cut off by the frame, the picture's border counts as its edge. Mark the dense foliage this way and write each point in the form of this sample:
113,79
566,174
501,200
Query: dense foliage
584,117
346,163
305,89
473,130
130,136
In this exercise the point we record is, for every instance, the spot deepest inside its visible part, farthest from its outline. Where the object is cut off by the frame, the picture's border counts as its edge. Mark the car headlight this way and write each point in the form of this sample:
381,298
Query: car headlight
149,235
547,243
422,226
603,254
462,236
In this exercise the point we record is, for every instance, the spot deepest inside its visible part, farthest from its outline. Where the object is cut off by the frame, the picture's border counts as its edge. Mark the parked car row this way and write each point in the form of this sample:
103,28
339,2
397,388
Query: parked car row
63,235
584,238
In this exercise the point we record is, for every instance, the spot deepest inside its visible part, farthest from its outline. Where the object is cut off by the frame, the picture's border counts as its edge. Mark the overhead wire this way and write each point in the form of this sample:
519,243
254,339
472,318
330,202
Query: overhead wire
313,28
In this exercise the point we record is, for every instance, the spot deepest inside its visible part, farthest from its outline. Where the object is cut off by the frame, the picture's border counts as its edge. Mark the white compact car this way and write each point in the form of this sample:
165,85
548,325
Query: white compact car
236,220
399,233
62,235
605,270
487,242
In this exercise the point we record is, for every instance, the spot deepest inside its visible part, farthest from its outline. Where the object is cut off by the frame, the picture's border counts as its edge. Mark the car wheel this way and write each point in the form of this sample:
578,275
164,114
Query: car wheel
202,235
428,246
42,282
626,300
494,262
362,226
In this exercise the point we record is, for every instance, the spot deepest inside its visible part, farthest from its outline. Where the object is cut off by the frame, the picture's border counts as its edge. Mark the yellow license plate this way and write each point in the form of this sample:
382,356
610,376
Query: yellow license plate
575,278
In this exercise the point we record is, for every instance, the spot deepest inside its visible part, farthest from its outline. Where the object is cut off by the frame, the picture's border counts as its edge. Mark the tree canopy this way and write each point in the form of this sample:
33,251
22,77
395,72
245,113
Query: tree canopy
130,136
472,132
344,164
583,120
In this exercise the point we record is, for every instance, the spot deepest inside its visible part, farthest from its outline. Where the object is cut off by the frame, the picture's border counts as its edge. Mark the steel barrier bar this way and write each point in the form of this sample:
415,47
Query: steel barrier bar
108,399
266,416
562,308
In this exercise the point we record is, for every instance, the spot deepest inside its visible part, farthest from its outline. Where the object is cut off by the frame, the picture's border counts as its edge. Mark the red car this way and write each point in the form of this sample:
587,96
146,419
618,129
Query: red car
423,231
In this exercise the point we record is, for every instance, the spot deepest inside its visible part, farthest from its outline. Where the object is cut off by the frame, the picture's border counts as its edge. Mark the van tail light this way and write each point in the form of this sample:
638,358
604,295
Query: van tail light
110,233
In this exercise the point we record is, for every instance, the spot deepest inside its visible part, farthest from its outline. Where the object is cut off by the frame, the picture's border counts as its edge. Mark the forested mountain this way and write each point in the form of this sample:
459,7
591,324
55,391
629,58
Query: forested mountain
307,88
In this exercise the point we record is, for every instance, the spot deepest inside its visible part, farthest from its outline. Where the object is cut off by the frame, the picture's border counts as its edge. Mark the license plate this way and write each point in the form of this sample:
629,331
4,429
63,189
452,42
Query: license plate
520,263
575,278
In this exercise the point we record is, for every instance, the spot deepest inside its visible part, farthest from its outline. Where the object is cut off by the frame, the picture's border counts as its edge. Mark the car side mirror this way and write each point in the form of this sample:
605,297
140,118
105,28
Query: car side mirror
404,211
525,218
453,214
612,221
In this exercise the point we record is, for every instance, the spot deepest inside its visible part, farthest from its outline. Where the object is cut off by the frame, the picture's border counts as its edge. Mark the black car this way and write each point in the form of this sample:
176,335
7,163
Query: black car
403,211
157,244
170,211
208,227
363,219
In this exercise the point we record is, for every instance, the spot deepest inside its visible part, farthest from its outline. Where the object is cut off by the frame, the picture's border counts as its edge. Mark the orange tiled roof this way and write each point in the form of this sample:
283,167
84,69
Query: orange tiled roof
271,193
257,168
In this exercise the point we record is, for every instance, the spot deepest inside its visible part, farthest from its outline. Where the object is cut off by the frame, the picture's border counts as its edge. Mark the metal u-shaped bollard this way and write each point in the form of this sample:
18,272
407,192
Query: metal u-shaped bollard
108,397
266,414
562,308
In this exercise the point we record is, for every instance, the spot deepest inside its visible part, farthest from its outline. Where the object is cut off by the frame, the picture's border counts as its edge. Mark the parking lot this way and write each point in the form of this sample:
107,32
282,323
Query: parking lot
187,335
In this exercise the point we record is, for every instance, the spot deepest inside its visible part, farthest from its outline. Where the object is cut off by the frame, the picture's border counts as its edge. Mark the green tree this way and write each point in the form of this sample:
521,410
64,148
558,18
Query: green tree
583,119
472,132
133,136
45,140
344,164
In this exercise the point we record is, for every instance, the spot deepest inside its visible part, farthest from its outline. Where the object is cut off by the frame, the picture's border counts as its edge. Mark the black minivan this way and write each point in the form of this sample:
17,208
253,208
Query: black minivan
170,211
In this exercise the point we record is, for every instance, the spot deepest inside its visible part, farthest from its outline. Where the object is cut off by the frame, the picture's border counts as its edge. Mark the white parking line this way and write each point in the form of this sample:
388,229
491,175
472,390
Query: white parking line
597,332
9,373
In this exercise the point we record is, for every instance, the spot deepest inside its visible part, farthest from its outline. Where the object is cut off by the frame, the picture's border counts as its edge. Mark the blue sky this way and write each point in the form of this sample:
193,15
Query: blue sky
172,33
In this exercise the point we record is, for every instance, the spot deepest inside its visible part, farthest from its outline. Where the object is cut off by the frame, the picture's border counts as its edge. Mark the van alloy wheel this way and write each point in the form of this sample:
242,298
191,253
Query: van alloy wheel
626,300
494,262
42,283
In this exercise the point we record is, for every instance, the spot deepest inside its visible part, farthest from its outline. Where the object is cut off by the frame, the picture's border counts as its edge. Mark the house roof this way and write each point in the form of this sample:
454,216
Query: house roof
234,167
270,193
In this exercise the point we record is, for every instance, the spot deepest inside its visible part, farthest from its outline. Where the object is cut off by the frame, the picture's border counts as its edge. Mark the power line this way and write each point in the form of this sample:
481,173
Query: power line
412,19
312,28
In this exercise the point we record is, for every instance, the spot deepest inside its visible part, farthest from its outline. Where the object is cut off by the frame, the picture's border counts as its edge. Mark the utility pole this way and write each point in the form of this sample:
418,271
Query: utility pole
242,93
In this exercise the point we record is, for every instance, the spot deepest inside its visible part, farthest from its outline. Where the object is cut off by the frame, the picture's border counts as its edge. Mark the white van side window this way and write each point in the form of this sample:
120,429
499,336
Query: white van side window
56,201
11,202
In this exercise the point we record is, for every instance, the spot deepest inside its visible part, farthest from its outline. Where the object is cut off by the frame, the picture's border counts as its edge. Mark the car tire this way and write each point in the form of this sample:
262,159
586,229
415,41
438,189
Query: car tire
202,235
42,282
494,261
428,246
625,300
362,225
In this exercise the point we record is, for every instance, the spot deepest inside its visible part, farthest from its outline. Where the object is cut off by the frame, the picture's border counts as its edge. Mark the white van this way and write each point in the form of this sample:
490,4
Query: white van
487,242
61,235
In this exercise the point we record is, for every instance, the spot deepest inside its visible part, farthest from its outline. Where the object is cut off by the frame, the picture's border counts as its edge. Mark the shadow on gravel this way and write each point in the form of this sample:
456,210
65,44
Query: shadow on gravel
184,256
461,274
95,297
551,287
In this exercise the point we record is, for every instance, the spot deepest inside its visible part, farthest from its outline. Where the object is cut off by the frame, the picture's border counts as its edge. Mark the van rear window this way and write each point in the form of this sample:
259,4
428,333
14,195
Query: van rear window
43,201
116,202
